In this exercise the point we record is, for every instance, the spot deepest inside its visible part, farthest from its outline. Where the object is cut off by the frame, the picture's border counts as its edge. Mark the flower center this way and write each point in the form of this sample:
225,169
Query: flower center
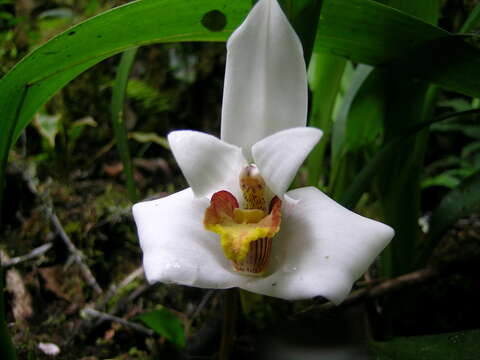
245,233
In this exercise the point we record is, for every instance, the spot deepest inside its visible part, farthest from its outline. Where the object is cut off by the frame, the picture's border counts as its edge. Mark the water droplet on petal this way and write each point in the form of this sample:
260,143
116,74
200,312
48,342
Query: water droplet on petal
185,275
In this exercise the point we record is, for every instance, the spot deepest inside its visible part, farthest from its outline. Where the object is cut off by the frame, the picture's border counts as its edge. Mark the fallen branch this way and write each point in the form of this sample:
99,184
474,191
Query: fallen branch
113,291
37,252
107,317
383,288
77,254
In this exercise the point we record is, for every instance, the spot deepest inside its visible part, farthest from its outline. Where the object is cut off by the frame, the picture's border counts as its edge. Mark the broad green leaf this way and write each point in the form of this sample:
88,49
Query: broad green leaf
451,62
427,10
166,324
117,116
464,345
368,32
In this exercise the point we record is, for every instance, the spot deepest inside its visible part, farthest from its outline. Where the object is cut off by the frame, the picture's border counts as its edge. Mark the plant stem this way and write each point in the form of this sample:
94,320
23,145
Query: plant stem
118,123
229,319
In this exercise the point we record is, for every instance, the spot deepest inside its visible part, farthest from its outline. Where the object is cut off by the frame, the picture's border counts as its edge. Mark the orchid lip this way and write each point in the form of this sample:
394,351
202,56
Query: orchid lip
245,233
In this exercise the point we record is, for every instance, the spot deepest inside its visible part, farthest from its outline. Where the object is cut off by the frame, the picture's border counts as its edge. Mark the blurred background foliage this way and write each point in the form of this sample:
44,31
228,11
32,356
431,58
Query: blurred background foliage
375,157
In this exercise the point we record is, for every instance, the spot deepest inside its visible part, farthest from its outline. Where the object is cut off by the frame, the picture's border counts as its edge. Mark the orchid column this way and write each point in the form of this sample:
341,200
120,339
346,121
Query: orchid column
238,225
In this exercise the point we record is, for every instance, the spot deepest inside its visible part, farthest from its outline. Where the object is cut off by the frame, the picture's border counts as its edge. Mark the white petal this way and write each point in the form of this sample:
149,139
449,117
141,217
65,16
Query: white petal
321,250
176,247
265,87
209,164
279,156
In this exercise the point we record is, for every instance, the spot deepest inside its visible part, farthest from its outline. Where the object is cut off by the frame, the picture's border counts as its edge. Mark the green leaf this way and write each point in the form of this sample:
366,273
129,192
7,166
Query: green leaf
166,324
325,74
446,179
118,124
472,21
452,62
359,77
143,137
464,345
471,130
365,116
358,125
368,32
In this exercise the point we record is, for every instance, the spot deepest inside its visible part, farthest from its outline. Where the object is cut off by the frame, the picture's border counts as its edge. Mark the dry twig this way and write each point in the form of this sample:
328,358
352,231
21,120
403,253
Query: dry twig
107,317
37,252
383,288
114,289
77,254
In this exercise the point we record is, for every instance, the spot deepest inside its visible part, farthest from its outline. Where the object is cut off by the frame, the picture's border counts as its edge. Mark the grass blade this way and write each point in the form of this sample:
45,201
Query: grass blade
472,21
120,132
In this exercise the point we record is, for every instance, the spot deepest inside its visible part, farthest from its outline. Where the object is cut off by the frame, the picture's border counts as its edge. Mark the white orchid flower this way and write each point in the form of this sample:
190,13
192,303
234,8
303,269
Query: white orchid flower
288,244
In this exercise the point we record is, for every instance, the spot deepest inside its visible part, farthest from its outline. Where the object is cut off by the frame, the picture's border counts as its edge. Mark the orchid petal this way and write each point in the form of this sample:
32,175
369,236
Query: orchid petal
321,249
208,163
279,156
265,87
176,247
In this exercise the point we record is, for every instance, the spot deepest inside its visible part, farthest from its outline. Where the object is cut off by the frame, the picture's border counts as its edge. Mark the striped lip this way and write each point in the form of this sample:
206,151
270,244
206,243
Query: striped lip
245,233
257,257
